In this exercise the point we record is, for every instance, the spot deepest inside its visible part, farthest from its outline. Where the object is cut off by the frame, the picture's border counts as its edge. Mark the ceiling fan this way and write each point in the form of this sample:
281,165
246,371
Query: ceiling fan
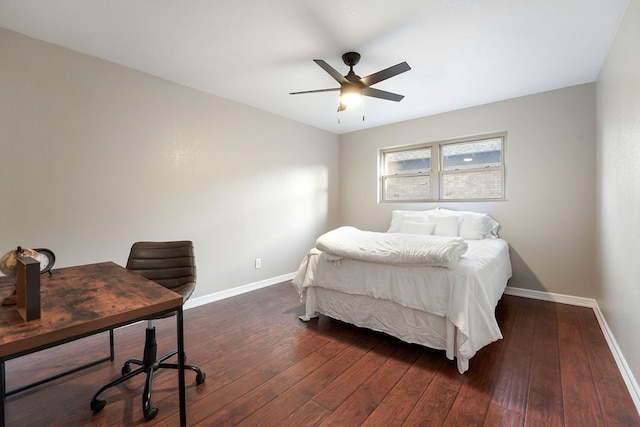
353,87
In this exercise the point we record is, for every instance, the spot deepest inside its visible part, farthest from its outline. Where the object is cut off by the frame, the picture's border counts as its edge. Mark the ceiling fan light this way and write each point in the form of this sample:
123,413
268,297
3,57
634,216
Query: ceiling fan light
350,97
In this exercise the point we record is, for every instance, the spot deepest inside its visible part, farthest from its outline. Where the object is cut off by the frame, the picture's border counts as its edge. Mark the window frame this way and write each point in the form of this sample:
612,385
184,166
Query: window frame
437,171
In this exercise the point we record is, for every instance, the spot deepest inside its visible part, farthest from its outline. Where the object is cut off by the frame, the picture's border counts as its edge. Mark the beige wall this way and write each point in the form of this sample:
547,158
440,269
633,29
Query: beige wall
618,172
549,215
95,156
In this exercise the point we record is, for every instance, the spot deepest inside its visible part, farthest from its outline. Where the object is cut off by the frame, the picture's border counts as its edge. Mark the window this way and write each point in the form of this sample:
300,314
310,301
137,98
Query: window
466,169
408,174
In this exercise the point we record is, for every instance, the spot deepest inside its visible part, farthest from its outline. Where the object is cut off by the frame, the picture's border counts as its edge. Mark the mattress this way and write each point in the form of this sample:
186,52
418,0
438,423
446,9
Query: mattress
445,308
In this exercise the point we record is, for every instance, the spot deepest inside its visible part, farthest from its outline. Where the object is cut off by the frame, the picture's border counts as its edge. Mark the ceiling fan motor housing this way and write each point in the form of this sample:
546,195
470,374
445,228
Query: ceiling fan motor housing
351,58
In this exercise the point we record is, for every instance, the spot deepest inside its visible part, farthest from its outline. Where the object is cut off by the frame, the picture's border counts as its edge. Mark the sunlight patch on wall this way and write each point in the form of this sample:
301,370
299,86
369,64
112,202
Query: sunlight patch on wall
182,153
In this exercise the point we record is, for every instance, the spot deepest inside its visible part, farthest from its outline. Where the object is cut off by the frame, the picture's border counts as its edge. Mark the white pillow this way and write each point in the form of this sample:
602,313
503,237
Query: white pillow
472,229
492,227
398,216
475,225
446,225
413,227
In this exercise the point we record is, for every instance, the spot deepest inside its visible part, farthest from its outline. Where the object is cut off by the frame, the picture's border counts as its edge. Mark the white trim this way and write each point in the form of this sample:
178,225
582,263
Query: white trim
548,296
627,375
217,296
625,371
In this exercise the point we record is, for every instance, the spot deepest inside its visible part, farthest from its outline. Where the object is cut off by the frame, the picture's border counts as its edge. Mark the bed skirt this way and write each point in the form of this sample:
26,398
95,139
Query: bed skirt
408,324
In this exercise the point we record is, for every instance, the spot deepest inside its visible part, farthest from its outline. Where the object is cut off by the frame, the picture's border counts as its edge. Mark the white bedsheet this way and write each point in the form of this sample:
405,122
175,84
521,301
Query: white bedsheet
465,295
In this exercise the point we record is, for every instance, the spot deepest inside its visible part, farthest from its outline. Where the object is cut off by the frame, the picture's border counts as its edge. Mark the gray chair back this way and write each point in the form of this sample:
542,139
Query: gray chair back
170,264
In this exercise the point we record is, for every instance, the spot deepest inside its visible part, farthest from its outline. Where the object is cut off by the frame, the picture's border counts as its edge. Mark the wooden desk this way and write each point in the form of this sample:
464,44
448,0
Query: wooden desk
80,301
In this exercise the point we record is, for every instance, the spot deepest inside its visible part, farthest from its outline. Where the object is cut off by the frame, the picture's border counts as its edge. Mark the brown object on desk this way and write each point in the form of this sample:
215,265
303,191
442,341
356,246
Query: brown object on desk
9,265
28,288
82,301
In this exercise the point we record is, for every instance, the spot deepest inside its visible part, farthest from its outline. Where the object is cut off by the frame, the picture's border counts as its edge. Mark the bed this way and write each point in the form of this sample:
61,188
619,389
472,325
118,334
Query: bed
387,282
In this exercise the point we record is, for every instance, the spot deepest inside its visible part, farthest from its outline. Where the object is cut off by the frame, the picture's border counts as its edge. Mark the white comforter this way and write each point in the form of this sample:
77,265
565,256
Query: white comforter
465,296
392,248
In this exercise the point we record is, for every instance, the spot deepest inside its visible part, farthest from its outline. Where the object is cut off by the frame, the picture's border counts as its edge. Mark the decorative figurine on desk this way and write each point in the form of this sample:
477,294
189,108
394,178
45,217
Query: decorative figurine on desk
8,263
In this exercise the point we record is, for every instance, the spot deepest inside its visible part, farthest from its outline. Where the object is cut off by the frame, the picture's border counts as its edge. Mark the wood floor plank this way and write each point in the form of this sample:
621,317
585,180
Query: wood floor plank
400,401
359,406
472,402
544,403
265,367
224,401
448,375
336,393
301,393
248,410
497,416
607,378
311,414
433,407
495,374
581,405
511,378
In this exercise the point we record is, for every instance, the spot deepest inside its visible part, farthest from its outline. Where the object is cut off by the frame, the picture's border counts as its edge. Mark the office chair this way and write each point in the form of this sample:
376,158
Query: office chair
171,264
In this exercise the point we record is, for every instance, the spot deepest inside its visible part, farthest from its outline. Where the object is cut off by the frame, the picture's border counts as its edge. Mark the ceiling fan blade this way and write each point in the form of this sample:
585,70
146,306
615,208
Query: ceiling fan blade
332,71
387,73
382,94
315,91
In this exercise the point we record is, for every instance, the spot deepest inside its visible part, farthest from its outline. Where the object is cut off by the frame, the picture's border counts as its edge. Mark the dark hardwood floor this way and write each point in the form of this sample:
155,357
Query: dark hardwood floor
266,368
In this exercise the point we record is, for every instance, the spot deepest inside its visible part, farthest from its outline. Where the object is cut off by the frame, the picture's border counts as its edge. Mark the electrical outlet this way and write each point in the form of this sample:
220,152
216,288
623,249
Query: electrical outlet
258,262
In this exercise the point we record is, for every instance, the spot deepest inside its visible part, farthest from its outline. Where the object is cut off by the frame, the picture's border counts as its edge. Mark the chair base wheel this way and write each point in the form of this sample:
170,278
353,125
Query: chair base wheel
98,405
200,378
150,413
126,368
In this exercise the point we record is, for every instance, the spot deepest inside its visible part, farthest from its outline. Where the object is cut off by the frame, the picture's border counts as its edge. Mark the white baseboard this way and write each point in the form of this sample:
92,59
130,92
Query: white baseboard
627,375
217,296
548,296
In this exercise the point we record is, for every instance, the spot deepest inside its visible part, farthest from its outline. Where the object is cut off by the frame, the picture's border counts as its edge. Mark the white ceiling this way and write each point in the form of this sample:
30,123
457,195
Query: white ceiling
462,52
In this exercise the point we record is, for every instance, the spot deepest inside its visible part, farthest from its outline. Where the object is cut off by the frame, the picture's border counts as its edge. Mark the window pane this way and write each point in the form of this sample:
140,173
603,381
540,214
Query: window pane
407,188
410,161
472,155
472,185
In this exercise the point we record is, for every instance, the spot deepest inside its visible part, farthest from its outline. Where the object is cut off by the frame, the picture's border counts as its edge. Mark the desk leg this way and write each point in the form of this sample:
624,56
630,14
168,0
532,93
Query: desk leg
2,391
181,357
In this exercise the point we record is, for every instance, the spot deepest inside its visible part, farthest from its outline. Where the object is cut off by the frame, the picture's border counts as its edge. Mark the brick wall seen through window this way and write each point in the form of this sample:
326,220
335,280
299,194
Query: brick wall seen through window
465,169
